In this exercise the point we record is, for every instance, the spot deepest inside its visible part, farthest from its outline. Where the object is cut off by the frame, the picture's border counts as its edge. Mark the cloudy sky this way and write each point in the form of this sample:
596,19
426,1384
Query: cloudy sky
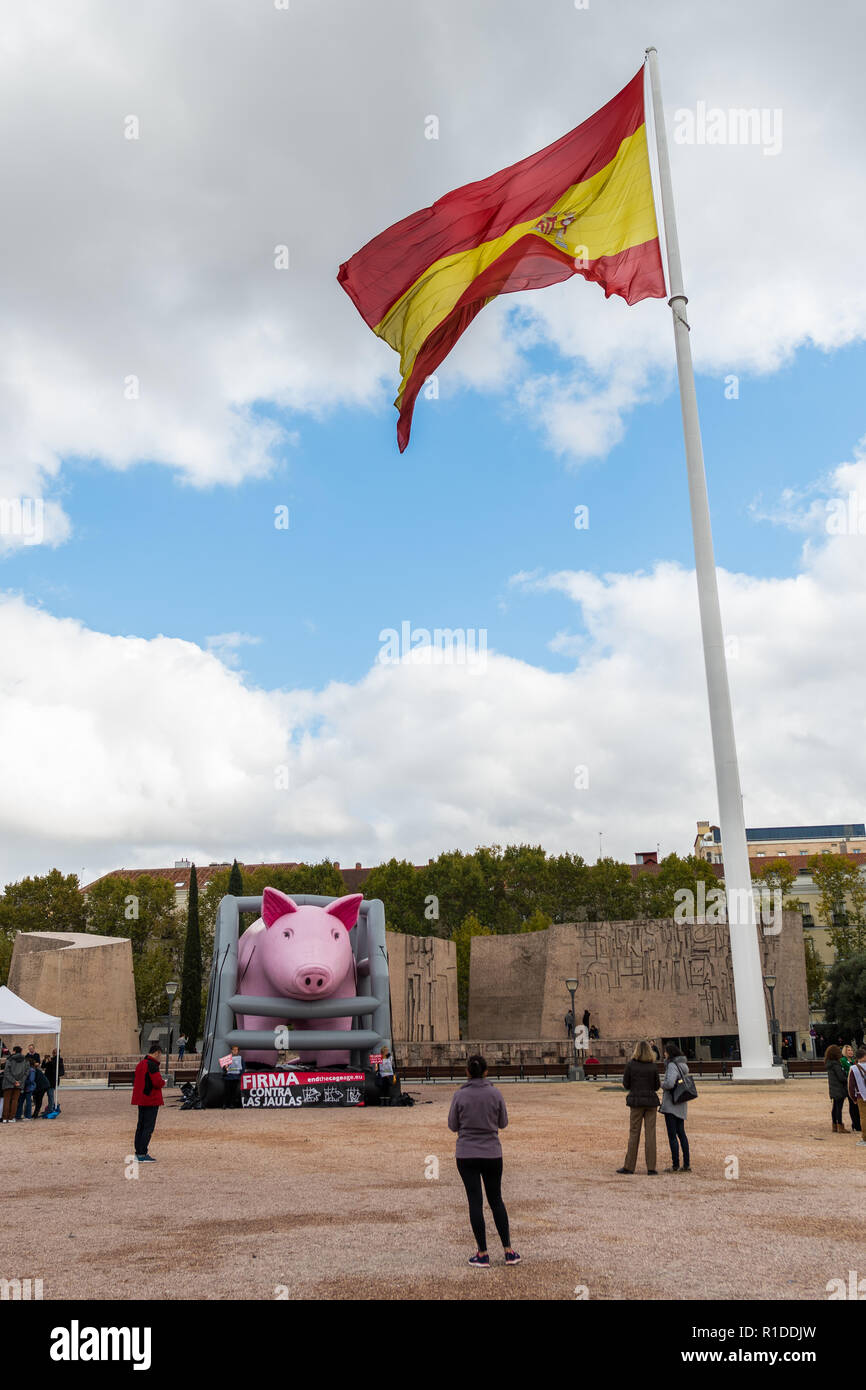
206,527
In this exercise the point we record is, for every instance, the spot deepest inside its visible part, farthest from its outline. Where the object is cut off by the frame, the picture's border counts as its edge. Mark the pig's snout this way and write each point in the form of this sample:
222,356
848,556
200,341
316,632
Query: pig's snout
314,979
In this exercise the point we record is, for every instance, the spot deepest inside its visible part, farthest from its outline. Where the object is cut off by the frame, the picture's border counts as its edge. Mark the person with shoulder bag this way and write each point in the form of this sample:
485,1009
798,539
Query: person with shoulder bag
641,1079
857,1091
847,1062
677,1093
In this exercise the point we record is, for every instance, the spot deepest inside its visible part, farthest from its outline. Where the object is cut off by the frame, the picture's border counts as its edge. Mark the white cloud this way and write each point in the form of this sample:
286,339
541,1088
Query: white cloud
225,646
120,751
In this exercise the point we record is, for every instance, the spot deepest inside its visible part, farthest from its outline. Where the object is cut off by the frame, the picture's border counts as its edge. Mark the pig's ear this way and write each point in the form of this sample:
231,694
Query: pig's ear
346,909
275,904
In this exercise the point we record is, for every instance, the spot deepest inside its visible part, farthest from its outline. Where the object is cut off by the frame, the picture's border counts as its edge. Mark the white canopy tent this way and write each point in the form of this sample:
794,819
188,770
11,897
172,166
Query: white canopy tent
18,1018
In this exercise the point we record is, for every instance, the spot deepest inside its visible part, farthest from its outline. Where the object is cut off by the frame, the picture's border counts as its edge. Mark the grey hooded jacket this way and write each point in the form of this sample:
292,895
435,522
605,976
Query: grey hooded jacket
674,1073
15,1071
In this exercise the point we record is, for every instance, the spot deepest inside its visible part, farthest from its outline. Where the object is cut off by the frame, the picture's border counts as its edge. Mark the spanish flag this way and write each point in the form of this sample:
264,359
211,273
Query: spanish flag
582,206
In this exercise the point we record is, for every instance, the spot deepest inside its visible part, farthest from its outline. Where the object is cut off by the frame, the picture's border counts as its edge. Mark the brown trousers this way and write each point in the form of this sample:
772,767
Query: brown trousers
11,1097
861,1106
641,1115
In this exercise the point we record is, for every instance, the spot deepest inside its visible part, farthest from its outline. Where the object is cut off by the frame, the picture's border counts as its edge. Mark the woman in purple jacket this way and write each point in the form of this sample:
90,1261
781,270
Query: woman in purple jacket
476,1116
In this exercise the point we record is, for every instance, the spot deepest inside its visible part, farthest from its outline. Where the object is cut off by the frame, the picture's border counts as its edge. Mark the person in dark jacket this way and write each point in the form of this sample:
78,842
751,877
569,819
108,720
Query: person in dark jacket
147,1095
476,1116
25,1102
14,1079
41,1091
675,1111
52,1068
838,1085
847,1061
641,1079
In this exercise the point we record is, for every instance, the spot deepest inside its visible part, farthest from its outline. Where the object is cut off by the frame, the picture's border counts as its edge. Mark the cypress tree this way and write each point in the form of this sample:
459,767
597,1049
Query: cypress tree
236,881
236,890
190,999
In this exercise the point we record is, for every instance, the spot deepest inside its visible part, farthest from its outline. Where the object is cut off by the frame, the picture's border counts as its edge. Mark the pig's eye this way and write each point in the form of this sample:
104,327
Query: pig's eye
335,934
288,932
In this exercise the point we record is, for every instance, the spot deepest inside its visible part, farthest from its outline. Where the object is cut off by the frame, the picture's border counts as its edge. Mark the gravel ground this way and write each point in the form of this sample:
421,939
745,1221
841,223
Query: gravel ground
344,1204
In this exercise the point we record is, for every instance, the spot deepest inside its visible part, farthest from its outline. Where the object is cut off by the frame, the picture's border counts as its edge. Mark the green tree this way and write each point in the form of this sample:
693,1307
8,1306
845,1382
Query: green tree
209,899
152,969
322,880
841,902
47,902
612,894
7,942
190,997
775,879
236,881
656,893
141,908
846,993
469,927
401,888
568,894
536,921
775,874
457,882
816,975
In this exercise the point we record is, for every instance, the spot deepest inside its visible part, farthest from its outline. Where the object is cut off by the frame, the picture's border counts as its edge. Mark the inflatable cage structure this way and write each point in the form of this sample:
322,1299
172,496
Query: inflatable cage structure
370,1010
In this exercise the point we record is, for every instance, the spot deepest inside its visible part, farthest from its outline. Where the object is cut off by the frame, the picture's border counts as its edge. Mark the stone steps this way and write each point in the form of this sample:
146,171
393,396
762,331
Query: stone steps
100,1064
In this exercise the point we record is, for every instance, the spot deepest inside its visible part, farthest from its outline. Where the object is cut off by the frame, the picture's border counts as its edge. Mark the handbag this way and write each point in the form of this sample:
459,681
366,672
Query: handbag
685,1088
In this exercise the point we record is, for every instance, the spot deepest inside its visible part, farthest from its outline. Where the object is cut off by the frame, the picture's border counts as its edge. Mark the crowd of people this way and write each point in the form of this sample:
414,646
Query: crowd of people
28,1082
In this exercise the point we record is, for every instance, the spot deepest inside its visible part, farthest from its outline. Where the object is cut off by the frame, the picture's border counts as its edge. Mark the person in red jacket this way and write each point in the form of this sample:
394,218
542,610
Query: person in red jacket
147,1095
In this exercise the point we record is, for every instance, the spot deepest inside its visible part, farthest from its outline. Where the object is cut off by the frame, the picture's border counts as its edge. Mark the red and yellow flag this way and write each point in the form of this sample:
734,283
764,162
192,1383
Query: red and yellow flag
582,206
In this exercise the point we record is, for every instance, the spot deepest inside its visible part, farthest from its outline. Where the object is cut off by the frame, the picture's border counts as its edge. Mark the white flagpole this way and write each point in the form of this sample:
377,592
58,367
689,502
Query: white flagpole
756,1056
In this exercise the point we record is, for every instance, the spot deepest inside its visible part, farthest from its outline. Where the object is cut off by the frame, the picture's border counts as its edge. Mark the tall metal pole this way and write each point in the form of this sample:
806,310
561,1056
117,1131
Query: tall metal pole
756,1056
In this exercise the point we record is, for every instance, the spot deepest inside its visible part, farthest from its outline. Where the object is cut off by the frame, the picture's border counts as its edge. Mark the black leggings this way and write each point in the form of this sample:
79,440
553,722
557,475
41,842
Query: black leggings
472,1171
677,1135
838,1103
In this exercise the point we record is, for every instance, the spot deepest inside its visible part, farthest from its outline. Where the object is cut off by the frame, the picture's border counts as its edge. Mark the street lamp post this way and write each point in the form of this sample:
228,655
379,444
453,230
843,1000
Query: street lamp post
171,990
575,1071
770,982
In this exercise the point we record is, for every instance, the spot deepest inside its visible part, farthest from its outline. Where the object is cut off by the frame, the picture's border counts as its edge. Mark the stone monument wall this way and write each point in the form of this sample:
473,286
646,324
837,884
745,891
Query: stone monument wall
423,973
636,978
85,980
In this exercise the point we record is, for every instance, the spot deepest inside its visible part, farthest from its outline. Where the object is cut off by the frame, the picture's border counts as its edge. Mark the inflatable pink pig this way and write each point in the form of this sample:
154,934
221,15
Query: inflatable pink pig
300,953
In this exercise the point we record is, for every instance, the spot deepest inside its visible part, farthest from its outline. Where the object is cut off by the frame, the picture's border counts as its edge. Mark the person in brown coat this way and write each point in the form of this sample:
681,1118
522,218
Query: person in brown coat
641,1079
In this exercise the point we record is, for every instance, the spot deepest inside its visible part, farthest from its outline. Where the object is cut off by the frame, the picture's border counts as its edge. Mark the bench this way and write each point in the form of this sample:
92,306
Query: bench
517,1071
176,1078
593,1070
798,1066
